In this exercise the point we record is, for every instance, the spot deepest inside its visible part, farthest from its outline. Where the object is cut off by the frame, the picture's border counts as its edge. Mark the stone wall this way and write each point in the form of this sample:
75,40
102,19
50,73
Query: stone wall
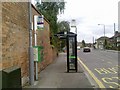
15,38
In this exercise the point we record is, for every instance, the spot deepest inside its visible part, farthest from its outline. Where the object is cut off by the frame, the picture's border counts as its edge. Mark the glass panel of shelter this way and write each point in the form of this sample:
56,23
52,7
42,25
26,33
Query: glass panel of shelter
72,53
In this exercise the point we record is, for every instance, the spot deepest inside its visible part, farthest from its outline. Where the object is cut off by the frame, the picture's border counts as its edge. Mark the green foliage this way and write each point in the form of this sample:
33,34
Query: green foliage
50,10
63,26
107,45
83,43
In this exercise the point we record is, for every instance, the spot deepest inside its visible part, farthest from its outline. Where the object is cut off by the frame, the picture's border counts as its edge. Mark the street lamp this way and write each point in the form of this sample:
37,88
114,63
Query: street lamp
104,28
104,33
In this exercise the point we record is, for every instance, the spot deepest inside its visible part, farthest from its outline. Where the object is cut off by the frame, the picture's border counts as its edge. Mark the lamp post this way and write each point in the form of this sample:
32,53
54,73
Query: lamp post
104,28
31,55
104,34
114,37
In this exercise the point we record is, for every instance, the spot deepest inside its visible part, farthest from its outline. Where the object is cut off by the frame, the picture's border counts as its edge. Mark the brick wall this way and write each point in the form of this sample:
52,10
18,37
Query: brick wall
15,38
43,39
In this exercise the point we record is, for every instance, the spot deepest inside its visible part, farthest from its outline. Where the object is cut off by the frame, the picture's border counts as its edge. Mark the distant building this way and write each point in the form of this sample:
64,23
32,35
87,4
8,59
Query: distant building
88,45
115,40
79,44
100,42
117,37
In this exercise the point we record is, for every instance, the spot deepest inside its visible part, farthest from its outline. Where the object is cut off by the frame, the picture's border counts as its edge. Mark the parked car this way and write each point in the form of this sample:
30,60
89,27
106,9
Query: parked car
86,49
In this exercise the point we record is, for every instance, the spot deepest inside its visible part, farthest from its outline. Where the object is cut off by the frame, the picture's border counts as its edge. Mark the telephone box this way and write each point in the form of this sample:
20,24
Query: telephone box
71,43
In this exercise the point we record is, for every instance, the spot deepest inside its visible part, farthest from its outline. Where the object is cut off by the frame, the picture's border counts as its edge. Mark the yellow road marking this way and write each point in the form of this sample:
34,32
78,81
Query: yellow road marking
92,75
110,80
111,86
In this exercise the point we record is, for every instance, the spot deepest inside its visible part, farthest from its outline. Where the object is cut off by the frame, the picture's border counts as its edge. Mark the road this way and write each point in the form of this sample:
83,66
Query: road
102,66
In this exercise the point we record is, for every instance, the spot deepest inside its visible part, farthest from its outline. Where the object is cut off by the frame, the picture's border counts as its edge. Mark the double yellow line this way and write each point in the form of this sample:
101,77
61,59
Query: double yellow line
92,75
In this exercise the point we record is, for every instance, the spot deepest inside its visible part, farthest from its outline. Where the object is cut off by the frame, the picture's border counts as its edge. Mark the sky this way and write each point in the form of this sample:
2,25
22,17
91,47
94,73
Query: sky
88,14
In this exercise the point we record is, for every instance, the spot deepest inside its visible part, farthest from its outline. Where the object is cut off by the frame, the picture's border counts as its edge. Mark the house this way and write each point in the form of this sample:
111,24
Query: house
100,42
88,44
115,40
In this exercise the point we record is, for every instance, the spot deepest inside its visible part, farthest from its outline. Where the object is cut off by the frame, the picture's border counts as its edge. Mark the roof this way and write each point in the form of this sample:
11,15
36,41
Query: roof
102,38
117,34
64,32
63,35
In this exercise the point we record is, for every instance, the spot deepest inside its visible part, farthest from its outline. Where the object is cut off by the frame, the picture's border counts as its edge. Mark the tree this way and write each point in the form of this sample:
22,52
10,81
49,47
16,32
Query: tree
108,45
105,44
63,26
83,43
50,10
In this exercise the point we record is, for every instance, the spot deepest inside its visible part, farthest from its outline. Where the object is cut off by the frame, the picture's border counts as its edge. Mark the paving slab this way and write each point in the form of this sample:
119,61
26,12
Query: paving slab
56,76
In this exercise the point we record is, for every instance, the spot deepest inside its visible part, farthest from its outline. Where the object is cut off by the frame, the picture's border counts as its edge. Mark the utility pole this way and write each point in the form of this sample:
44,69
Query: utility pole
31,56
114,36
93,41
104,35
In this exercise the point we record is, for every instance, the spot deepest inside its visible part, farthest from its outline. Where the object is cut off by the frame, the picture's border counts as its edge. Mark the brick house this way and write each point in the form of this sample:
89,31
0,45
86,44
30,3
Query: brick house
15,38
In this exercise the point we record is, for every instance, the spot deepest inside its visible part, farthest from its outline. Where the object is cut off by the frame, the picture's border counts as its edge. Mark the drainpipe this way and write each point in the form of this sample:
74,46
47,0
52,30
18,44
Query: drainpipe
31,56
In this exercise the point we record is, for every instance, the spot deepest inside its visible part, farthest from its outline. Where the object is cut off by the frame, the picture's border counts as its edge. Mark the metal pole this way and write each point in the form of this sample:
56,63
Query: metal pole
114,28
31,57
76,29
114,36
76,53
67,40
36,63
104,36
93,41
104,30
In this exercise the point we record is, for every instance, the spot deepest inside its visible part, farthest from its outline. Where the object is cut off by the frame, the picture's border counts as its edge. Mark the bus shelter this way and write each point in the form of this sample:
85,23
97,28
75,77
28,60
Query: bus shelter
71,43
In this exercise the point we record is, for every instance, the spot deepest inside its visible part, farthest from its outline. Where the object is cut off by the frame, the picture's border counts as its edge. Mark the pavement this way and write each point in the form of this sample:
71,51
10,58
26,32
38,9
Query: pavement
114,51
55,76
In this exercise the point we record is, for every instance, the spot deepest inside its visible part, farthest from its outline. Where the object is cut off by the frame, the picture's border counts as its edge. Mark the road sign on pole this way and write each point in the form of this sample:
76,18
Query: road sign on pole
39,22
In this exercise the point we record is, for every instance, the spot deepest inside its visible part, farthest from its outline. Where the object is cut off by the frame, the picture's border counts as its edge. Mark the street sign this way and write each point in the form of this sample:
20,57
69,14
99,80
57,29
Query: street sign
38,53
38,22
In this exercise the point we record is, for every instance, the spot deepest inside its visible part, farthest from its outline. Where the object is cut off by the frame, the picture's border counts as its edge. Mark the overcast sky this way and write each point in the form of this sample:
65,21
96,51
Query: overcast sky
88,14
